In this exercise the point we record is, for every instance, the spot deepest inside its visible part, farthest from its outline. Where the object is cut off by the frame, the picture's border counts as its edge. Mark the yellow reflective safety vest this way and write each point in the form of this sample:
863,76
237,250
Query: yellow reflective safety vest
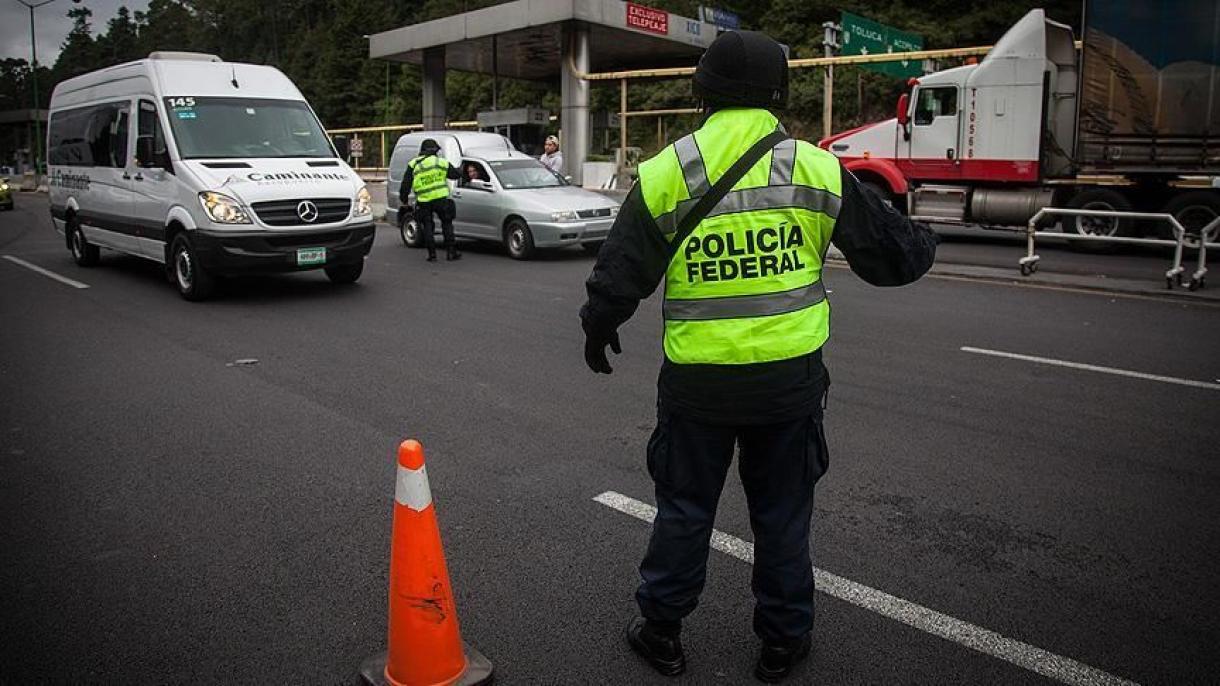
428,181
746,285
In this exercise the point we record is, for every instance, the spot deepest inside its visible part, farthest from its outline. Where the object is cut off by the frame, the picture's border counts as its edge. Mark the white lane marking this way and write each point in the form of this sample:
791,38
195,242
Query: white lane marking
975,637
45,272
1093,368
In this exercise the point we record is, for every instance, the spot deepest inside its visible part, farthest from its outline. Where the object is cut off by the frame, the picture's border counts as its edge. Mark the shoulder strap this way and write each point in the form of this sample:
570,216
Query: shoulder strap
722,186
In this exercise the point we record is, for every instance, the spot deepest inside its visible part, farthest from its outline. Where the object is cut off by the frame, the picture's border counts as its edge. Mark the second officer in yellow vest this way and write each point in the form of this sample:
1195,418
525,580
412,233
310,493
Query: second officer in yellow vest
427,176
746,316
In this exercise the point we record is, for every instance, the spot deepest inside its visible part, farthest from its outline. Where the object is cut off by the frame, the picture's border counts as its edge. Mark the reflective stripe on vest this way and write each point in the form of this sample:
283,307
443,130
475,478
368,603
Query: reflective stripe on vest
745,286
429,178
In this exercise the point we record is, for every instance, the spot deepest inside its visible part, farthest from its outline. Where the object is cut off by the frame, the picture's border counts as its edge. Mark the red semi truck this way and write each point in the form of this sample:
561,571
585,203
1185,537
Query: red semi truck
1128,121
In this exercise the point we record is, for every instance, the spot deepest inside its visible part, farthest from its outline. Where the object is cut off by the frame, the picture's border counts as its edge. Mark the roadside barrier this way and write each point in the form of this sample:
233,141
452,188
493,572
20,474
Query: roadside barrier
425,645
1202,240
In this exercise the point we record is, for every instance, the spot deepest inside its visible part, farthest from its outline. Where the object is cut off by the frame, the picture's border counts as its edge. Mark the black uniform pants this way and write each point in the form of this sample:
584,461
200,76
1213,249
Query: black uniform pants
446,210
779,465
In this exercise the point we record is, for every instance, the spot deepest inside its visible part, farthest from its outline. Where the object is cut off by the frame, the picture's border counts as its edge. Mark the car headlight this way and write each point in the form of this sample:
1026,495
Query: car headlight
614,211
564,216
364,202
223,209
3,186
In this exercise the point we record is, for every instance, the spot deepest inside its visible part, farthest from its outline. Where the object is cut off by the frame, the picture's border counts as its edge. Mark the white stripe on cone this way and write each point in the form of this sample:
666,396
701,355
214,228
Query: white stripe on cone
412,488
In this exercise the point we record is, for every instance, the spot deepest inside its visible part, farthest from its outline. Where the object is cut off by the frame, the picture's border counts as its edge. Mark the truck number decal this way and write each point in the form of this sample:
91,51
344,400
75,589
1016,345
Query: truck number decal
970,130
181,102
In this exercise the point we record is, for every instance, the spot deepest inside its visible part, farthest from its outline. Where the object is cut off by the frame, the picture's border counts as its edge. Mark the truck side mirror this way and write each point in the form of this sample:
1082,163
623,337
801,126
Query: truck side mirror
903,115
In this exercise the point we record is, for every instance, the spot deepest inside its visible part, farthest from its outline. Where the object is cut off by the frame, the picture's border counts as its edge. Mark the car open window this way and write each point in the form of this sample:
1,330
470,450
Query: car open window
935,102
478,168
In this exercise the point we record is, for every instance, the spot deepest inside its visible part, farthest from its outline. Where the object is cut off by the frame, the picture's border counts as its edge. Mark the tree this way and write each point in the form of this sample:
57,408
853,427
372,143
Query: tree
79,54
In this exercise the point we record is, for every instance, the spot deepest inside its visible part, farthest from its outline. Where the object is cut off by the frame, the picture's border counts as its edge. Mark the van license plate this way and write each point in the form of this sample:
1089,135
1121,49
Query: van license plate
306,256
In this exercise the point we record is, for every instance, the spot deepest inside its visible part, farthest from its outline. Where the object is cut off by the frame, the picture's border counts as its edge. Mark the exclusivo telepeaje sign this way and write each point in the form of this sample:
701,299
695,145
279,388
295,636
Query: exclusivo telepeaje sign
647,19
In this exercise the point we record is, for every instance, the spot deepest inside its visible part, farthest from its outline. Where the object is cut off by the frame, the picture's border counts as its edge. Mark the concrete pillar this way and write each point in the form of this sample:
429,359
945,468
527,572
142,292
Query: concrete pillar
434,88
574,100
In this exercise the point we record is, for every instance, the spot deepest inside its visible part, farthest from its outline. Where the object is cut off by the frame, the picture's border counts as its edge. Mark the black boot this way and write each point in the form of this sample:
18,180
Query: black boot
776,660
451,254
662,648
431,254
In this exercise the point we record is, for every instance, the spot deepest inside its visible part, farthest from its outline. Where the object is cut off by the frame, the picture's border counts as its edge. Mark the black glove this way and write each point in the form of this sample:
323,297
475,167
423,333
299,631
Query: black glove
595,351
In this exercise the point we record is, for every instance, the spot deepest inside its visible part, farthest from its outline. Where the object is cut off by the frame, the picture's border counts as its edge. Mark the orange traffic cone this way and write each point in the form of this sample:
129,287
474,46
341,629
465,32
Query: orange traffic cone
425,646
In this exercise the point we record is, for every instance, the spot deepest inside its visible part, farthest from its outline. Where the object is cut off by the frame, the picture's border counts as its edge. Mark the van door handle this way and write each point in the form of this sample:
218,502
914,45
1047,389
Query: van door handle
126,176
139,176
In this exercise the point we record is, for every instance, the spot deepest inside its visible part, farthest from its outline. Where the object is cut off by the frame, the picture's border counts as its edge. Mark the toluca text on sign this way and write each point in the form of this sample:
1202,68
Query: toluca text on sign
647,19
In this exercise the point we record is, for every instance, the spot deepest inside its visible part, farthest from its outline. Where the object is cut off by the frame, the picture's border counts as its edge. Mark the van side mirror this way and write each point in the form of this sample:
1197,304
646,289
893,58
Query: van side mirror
148,157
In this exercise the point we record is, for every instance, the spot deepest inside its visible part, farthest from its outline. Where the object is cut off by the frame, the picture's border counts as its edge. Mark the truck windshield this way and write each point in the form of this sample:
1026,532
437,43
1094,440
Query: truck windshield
210,128
515,174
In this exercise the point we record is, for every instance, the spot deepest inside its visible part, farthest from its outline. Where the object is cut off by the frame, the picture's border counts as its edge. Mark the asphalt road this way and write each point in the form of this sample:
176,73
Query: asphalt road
169,517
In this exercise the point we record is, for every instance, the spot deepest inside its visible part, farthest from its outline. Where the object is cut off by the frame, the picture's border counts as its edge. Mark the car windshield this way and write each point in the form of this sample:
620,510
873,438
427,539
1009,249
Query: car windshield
514,174
207,128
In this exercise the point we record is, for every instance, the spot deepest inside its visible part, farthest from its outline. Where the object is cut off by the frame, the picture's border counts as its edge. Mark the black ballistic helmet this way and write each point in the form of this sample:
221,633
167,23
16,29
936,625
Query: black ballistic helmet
429,147
743,69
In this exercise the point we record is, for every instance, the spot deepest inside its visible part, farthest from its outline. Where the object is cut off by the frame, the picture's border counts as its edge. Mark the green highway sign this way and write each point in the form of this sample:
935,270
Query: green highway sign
861,36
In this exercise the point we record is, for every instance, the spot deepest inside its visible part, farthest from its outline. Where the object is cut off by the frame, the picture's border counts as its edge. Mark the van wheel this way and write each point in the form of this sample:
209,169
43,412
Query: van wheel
1097,199
84,253
519,239
408,231
1194,210
193,281
345,273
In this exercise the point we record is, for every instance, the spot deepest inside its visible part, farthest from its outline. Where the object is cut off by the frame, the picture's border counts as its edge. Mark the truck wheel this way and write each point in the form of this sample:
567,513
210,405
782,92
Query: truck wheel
1194,210
84,253
884,193
193,281
1097,199
345,273
519,239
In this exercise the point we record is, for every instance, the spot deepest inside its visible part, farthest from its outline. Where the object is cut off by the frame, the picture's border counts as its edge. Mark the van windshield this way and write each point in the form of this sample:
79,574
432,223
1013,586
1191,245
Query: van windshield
209,128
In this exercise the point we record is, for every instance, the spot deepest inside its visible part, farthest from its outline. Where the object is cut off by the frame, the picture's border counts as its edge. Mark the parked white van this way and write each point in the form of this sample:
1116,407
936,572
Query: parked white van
211,168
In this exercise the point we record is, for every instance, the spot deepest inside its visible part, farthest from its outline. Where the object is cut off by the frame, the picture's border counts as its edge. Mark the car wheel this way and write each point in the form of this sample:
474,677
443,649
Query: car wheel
592,246
408,231
1194,210
84,253
192,280
519,239
345,273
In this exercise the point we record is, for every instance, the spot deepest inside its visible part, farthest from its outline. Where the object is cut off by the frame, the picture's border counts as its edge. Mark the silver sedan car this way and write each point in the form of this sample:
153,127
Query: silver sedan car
510,198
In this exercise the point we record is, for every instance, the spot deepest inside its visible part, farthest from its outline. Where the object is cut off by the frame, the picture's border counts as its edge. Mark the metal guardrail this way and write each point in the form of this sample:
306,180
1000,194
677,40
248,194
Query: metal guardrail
1205,239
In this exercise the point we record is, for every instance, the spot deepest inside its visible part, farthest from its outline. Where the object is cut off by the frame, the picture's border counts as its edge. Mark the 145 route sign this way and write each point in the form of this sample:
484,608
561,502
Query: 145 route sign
861,36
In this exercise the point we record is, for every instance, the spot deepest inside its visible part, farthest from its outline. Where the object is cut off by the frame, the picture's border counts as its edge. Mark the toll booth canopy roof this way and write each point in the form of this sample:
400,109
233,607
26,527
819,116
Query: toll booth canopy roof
529,32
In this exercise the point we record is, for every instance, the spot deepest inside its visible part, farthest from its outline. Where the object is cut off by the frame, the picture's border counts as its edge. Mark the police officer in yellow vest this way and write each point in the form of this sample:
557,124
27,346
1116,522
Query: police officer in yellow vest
746,315
427,177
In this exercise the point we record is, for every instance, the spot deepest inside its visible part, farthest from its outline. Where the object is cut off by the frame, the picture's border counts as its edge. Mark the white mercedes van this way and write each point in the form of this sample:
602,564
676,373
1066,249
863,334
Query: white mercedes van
211,168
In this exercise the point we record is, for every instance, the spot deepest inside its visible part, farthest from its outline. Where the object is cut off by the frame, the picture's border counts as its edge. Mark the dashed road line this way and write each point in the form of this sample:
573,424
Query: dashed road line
964,633
1093,368
46,272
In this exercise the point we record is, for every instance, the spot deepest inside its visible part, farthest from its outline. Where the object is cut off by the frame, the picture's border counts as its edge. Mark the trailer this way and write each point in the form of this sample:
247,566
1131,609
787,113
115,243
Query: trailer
1128,120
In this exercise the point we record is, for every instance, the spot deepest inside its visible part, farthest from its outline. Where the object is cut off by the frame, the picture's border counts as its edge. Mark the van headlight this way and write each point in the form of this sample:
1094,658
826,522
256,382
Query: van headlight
223,209
364,202
564,216
3,186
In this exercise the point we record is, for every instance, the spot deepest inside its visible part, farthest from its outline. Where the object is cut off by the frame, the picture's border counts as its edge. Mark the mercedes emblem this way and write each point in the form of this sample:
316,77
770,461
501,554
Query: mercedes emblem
307,211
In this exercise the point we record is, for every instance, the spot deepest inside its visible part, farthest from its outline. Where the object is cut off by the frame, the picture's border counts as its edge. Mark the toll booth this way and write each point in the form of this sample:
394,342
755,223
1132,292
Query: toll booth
525,126
542,40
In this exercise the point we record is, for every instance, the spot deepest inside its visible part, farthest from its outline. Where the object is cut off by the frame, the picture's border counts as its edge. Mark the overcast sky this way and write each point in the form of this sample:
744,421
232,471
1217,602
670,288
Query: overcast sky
52,24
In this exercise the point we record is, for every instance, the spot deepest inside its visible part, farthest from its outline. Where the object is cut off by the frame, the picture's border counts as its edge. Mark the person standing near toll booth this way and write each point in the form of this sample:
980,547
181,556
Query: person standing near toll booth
427,176
736,219
551,157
